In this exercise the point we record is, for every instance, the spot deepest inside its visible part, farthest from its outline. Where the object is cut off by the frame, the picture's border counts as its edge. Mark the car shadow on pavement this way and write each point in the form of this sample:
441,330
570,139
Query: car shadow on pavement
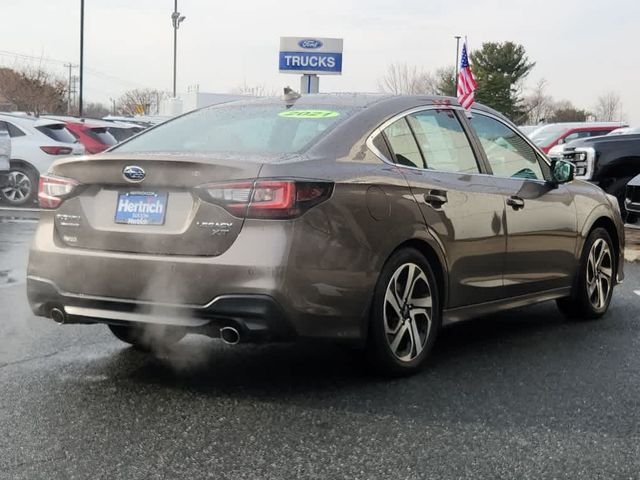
208,366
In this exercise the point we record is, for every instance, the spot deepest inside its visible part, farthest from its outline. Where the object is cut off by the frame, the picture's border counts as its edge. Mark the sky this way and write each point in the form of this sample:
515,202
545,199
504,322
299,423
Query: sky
581,48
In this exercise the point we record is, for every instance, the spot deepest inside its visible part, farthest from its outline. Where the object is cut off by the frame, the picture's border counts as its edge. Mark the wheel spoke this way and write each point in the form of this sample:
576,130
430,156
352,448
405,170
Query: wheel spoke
422,303
601,296
607,272
409,285
591,287
390,298
398,337
603,251
415,334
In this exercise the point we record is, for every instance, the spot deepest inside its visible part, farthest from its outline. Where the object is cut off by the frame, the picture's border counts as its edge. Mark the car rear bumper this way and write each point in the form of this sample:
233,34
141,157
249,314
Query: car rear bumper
270,280
256,317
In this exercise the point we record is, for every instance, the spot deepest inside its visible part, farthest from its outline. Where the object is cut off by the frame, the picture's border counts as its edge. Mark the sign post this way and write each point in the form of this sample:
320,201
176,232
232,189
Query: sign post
310,57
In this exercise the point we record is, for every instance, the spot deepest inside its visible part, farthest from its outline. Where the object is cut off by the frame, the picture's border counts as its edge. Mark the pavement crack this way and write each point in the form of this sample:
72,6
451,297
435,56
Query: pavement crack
29,463
47,355
29,359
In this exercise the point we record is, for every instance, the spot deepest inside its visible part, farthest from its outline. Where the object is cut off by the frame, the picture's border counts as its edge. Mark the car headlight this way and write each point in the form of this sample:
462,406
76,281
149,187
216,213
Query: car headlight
584,159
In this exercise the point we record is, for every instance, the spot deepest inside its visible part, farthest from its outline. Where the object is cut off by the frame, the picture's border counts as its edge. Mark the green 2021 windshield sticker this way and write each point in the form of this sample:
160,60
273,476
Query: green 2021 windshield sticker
309,114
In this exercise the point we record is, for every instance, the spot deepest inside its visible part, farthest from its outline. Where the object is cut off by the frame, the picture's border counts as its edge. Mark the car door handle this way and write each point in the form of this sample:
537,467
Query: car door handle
515,202
436,198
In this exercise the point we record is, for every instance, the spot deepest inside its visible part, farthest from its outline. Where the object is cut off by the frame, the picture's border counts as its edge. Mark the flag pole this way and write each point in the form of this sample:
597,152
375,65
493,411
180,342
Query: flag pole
457,37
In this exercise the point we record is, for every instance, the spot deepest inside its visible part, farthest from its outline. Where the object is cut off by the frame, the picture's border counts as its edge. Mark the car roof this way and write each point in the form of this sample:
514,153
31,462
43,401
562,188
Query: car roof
89,122
29,120
582,125
361,101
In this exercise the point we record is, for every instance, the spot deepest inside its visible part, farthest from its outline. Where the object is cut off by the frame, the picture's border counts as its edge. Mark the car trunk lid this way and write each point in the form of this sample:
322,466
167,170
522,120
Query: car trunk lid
157,210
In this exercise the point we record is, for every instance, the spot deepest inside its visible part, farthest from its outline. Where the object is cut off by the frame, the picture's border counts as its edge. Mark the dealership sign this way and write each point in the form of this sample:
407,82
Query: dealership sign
311,55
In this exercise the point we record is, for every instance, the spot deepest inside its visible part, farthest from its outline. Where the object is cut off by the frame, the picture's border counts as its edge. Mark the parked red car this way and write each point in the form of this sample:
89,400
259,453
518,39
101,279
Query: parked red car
92,134
548,136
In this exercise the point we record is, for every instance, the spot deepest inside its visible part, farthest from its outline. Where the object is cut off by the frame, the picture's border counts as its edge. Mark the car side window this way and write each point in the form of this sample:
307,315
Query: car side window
445,146
403,143
14,131
507,152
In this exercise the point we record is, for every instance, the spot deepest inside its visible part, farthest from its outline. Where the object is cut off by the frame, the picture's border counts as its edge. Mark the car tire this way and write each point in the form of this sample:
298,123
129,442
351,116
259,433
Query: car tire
403,323
21,187
595,280
618,188
153,337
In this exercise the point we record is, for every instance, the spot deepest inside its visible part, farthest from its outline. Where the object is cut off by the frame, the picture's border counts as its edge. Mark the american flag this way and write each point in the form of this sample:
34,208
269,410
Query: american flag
466,82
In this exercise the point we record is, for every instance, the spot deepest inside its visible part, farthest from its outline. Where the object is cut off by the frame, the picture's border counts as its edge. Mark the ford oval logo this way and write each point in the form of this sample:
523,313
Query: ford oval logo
310,43
133,173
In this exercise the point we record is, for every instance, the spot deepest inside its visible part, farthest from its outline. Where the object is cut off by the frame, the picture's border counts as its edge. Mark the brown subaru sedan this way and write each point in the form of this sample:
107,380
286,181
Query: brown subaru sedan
366,218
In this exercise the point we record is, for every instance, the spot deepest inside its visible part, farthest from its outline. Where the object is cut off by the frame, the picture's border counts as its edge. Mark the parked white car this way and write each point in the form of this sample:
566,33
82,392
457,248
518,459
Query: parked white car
5,154
35,144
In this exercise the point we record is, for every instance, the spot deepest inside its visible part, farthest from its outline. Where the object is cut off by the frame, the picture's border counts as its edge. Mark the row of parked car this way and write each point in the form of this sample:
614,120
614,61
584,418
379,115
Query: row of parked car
607,154
35,142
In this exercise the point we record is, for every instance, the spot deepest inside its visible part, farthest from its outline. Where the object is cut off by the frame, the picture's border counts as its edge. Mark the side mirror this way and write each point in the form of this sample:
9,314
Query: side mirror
562,171
560,141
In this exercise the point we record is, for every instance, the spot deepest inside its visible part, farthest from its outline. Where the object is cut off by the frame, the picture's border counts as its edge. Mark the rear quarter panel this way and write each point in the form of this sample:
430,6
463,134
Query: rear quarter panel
593,204
339,247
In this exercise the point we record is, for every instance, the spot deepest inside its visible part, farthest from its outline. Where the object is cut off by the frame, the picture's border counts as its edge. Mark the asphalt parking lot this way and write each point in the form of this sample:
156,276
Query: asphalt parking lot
525,394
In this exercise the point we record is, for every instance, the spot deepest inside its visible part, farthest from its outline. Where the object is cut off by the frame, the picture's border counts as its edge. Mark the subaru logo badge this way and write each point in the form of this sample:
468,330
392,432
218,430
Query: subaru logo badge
310,43
133,173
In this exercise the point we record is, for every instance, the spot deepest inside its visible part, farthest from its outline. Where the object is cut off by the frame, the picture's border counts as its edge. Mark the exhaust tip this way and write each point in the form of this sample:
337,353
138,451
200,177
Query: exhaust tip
230,335
58,315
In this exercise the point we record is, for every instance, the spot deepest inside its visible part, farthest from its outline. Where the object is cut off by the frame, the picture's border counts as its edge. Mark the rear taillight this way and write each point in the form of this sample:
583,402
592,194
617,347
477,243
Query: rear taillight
275,199
54,189
57,150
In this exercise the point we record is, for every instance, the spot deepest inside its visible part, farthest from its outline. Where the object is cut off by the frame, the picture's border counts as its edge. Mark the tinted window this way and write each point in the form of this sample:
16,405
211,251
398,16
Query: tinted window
404,146
507,152
576,135
241,129
58,132
121,134
444,144
381,145
548,134
13,130
102,135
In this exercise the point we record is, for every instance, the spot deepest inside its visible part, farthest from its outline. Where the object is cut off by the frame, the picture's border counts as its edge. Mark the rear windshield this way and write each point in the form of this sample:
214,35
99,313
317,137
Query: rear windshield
546,135
58,132
102,136
121,134
241,129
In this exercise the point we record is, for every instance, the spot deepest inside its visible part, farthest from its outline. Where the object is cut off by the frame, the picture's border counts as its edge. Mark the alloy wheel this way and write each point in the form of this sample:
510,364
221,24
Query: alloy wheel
18,187
408,312
599,273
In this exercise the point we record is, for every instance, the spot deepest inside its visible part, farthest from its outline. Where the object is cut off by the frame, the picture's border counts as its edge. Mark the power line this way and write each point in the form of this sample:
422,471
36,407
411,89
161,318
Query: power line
90,71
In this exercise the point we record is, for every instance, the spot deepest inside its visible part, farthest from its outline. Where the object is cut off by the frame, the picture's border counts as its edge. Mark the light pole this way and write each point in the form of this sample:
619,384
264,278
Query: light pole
457,37
81,57
176,19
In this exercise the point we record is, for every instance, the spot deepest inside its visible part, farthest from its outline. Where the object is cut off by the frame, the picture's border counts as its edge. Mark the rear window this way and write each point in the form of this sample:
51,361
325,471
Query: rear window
241,129
121,134
102,135
57,132
546,135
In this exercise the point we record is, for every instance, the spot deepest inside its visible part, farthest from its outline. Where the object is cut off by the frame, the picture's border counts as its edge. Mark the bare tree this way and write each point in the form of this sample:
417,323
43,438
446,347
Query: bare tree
539,105
33,90
95,110
258,90
140,102
402,79
608,107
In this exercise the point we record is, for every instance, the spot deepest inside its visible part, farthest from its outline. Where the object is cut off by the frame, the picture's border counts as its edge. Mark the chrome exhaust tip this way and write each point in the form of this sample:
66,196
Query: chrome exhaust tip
58,315
230,335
